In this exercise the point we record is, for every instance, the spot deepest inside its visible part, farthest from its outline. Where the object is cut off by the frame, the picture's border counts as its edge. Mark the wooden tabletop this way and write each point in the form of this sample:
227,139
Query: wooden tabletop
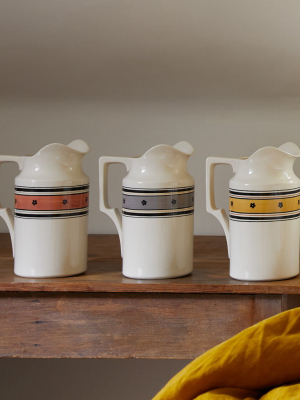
104,274
102,314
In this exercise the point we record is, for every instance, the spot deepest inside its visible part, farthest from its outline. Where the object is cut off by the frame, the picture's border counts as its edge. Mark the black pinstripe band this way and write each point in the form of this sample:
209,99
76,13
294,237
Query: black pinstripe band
266,193
157,191
27,189
51,215
158,215
265,219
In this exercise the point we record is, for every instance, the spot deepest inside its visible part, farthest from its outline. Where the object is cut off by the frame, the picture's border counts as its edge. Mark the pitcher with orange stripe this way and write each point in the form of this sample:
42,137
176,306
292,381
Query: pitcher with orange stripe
262,230
49,228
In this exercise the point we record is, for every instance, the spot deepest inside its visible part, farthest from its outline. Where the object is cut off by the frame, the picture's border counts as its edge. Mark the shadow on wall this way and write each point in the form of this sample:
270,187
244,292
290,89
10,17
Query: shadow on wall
85,379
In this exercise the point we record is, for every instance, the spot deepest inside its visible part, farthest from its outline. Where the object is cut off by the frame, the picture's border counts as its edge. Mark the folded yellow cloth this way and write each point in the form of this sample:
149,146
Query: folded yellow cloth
261,362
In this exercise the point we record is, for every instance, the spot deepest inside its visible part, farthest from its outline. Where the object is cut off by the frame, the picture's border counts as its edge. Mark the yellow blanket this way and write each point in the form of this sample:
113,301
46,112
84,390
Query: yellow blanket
261,362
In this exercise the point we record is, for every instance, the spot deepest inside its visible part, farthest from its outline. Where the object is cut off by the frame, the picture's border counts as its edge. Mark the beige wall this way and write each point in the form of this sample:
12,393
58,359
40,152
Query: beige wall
142,50
231,128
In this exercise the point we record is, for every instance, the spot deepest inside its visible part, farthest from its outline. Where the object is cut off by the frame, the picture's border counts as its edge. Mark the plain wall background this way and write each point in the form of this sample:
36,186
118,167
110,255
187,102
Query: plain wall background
229,128
125,76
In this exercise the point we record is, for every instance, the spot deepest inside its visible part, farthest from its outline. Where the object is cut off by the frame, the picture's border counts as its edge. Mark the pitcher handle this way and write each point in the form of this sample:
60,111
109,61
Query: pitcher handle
113,213
6,213
211,207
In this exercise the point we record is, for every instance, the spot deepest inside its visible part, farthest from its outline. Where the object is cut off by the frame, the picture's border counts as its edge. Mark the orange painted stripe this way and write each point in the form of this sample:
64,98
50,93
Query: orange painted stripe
51,203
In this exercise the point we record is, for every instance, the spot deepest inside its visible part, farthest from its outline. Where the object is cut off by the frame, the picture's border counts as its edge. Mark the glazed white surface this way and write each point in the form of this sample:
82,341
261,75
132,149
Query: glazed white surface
157,248
264,250
50,248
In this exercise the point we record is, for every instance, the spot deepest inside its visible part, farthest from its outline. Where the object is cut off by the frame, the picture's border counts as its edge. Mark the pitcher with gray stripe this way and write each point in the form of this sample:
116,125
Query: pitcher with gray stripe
157,223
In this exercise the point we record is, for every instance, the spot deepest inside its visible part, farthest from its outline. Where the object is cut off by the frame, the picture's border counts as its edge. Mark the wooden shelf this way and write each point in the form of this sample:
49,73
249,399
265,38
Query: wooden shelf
104,274
101,314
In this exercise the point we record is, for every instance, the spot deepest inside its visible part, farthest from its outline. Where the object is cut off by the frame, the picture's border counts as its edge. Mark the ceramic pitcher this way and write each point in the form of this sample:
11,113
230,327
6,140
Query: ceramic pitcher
264,201
156,228
49,228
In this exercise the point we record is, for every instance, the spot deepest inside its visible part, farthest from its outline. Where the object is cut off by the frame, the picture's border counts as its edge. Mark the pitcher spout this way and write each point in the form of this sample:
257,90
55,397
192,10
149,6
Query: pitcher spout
185,148
290,149
80,146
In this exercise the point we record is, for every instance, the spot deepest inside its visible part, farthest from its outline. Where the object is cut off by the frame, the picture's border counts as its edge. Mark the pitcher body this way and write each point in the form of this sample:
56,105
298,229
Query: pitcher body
157,223
49,231
157,229
264,234
264,202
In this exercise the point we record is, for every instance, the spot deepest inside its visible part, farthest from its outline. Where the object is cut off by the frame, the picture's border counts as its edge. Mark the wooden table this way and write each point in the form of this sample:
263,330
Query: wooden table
102,314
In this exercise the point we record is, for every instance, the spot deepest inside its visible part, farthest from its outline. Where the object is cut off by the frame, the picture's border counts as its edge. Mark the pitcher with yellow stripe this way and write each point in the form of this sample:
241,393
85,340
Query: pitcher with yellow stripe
262,230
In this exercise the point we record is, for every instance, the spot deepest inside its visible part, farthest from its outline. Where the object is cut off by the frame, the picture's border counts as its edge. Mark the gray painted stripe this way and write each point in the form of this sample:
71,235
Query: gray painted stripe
167,202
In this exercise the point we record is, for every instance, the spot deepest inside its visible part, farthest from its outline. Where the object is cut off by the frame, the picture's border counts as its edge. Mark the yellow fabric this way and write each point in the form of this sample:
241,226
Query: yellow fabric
261,362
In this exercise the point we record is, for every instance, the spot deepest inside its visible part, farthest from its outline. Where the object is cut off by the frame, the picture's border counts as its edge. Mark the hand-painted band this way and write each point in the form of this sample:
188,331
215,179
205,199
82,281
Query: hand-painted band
158,203
264,205
52,202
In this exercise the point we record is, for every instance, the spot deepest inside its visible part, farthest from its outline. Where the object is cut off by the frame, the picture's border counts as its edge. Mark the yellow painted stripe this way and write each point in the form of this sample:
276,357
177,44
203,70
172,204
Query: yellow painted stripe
264,206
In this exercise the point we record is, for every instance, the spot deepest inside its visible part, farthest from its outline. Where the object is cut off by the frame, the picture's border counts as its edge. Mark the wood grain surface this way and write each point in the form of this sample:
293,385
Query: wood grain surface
124,325
101,314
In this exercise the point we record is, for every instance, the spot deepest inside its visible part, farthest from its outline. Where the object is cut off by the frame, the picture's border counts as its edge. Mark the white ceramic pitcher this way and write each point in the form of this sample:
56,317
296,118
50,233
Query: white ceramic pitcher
264,203
49,228
156,228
